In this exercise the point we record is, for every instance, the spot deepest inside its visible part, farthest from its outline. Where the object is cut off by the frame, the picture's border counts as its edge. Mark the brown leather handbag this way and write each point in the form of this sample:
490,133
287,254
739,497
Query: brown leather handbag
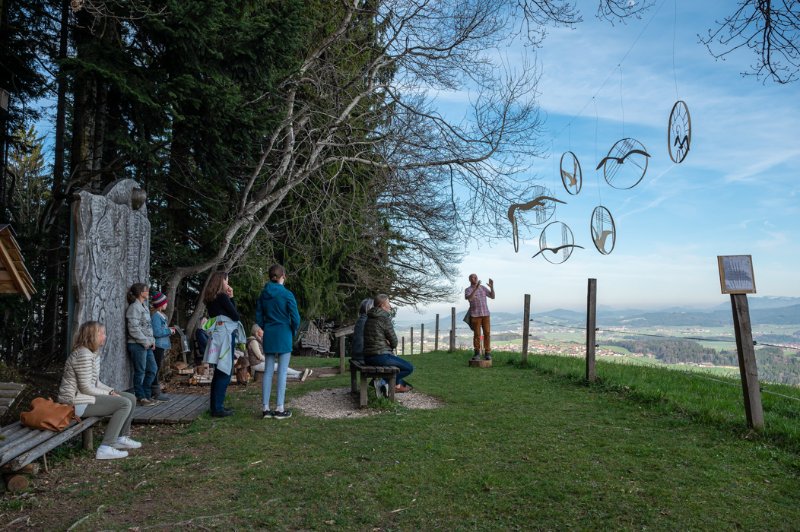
45,414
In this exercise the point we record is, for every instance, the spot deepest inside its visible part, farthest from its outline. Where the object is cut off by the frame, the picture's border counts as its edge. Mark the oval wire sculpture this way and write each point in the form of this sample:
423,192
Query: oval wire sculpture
625,165
602,227
572,181
679,132
543,207
566,244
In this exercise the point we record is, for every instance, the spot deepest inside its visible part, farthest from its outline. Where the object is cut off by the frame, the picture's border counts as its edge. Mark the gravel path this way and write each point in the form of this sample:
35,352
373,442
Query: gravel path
336,403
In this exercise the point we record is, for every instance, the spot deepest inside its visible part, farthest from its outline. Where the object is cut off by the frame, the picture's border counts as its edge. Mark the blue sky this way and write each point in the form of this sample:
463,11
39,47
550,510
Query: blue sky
737,192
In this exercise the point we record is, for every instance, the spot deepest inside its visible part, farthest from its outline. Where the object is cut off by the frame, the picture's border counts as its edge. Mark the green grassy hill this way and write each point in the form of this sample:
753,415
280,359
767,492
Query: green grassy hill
513,448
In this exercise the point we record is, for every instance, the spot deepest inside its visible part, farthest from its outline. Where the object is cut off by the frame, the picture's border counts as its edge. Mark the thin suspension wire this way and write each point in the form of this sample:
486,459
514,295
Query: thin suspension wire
621,100
596,176
674,31
611,71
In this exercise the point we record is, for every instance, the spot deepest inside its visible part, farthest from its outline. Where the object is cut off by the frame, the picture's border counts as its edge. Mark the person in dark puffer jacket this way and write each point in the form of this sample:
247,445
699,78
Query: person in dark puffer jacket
379,342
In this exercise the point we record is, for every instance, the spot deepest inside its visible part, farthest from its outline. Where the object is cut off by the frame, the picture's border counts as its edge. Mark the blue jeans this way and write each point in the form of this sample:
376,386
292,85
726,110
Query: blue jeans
219,385
388,359
144,370
269,371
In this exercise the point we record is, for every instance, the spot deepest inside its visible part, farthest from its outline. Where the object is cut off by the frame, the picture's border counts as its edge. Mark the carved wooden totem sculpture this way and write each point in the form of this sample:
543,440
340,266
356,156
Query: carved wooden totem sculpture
111,252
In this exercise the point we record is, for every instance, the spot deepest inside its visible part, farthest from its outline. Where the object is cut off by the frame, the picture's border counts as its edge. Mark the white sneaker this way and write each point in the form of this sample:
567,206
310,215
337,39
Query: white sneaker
306,374
125,442
106,452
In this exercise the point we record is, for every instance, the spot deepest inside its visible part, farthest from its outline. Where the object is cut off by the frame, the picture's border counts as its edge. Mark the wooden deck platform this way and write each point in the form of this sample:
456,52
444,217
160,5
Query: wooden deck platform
182,408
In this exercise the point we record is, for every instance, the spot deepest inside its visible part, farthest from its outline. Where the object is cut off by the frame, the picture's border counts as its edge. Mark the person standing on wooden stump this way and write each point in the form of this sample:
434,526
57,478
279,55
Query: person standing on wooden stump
81,387
141,343
278,317
476,294
379,342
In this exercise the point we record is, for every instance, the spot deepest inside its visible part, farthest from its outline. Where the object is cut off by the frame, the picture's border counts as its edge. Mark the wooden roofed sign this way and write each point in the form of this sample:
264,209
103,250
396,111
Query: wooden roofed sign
14,276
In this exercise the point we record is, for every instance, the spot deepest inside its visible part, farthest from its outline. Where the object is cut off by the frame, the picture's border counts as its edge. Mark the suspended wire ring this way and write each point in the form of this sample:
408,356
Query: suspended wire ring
571,178
679,132
625,165
561,243
604,231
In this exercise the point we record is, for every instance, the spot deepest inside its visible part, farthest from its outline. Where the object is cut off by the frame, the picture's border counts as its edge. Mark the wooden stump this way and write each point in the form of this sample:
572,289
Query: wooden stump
17,483
480,363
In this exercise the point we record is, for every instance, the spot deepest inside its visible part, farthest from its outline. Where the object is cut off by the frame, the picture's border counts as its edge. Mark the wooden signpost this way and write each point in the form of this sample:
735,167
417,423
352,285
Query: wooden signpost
736,278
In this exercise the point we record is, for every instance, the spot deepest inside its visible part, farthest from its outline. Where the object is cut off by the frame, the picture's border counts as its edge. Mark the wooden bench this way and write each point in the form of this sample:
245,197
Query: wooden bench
21,445
375,372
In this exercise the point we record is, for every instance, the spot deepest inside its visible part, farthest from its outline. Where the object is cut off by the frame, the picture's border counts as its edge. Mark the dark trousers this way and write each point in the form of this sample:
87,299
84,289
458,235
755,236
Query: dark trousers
158,353
219,385
388,359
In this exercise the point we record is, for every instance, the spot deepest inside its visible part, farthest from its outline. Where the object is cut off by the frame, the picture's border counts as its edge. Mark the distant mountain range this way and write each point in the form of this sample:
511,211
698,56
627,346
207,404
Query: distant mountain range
763,311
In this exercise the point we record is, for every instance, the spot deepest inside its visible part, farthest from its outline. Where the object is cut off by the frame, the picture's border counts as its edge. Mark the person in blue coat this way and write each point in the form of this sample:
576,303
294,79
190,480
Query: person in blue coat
277,315
161,332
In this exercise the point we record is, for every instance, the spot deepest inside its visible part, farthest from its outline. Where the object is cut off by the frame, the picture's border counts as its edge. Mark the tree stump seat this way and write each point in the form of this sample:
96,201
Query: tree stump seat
375,372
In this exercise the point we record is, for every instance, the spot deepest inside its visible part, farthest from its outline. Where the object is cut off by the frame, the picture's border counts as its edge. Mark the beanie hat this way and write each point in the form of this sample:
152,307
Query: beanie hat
158,300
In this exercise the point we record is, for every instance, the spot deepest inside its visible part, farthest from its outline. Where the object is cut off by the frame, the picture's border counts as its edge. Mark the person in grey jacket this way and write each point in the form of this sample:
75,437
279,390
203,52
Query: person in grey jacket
379,342
81,388
141,343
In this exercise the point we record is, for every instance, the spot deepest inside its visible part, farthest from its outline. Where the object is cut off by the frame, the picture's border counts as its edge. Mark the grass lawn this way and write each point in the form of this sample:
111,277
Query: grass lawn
513,448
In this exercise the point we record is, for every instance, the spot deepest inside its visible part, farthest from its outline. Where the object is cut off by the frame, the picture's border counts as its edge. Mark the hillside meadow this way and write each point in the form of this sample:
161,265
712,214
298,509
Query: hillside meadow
512,447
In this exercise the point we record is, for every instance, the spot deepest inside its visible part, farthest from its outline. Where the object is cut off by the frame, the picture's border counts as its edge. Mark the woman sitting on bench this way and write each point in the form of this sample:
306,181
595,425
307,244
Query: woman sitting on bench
256,356
81,387
379,342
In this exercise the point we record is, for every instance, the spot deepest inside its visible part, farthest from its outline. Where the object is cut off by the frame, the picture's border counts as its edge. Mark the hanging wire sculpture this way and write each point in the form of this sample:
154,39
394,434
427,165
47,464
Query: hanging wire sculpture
543,207
571,173
625,165
604,231
556,238
679,132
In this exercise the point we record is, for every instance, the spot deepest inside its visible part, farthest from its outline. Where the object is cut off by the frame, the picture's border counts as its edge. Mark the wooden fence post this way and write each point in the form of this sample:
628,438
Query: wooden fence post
341,355
452,329
526,326
436,337
403,345
411,341
421,338
747,361
591,324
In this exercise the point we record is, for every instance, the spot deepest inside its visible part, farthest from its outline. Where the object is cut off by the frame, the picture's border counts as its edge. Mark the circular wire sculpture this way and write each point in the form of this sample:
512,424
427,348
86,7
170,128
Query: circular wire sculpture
543,206
604,232
556,243
679,132
571,173
625,165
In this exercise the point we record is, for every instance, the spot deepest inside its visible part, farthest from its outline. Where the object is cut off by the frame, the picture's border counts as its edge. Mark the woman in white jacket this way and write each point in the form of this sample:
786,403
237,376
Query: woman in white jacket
81,387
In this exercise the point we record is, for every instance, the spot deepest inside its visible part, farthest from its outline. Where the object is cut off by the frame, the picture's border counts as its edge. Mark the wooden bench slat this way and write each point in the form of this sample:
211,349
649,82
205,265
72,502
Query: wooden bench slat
23,443
51,443
9,430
